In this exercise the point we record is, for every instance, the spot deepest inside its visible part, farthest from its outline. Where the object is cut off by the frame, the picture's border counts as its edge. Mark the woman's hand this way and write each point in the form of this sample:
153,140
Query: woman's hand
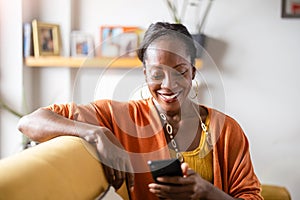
115,160
190,186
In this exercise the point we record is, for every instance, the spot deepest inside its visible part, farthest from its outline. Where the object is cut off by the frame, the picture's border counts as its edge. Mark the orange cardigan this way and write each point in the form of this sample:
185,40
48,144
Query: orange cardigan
137,126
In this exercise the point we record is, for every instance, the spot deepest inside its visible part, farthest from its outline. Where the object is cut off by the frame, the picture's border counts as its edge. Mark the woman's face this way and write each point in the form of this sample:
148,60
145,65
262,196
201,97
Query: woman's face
169,73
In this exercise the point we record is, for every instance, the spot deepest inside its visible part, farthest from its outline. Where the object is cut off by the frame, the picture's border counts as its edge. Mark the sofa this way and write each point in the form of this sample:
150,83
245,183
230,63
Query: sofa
65,168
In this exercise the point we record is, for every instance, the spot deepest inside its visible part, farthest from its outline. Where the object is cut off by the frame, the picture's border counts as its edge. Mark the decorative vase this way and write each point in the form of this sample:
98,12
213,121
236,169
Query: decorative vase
199,40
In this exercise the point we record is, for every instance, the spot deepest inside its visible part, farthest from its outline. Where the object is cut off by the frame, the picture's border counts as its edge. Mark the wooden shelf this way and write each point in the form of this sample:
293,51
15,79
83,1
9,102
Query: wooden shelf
96,62
57,61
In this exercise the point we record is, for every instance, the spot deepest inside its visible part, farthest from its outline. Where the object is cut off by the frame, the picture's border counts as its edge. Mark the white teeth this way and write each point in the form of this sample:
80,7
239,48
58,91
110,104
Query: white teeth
169,96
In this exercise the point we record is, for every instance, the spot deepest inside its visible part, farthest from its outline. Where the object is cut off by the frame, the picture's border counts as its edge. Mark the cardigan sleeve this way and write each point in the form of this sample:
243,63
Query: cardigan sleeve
233,169
96,113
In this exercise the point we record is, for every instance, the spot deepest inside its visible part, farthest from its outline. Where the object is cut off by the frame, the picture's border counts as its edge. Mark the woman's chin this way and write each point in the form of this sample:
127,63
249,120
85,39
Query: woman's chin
169,104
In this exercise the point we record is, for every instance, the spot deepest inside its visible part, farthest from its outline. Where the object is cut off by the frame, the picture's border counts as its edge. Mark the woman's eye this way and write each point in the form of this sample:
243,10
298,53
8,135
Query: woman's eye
157,75
181,73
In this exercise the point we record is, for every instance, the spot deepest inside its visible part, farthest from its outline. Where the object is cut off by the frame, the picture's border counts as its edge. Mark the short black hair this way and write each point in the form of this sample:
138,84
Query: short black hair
159,29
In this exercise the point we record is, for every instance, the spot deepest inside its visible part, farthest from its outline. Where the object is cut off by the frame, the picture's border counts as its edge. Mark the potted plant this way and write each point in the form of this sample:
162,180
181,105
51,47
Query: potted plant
200,8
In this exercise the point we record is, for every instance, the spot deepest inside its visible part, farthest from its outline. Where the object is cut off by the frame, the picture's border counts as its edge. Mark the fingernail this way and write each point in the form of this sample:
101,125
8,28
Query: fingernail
159,179
131,189
151,190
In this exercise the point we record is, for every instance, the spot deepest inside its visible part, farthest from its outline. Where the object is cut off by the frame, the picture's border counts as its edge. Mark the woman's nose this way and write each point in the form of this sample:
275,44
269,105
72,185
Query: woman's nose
169,81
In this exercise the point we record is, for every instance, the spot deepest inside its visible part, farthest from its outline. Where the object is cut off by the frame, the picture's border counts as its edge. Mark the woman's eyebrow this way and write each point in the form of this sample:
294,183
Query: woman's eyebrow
155,66
159,66
179,65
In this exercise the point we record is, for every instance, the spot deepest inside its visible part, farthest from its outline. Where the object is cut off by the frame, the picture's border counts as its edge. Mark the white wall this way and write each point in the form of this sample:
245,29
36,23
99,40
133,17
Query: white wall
260,63
58,81
11,75
255,50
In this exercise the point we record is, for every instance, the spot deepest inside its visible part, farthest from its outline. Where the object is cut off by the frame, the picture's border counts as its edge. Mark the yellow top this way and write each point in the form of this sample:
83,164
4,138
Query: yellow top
201,158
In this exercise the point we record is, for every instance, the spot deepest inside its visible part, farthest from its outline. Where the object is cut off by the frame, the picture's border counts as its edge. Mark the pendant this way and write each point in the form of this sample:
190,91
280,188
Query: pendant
179,157
169,129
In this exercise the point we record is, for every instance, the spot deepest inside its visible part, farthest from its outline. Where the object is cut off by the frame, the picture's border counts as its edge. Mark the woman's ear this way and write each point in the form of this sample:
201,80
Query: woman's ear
193,72
145,74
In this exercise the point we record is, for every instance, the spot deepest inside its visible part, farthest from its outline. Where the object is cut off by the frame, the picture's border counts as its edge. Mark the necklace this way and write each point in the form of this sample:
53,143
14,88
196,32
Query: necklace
169,129
204,128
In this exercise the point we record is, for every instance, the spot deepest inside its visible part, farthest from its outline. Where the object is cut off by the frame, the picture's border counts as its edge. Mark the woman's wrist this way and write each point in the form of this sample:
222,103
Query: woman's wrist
90,137
209,190
92,133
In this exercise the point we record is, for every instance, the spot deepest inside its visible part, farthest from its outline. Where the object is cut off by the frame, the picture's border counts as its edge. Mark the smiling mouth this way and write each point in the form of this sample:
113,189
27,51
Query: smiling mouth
169,97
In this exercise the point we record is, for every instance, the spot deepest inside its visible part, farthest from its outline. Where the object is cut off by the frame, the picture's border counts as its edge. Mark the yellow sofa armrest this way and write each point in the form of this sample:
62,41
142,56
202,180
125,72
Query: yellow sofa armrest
65,168
274,192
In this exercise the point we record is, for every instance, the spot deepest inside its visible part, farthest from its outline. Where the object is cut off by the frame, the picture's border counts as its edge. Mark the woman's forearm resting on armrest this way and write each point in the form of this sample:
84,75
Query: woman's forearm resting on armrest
42,125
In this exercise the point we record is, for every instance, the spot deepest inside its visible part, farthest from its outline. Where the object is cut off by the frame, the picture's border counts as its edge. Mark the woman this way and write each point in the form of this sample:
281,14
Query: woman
211,146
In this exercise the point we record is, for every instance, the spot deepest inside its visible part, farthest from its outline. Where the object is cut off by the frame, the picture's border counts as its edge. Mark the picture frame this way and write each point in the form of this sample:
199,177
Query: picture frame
290,8
46,39
119,40
82,44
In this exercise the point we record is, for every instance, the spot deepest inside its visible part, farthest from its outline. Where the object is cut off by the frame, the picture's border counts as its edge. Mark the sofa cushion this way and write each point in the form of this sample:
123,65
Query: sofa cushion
62,168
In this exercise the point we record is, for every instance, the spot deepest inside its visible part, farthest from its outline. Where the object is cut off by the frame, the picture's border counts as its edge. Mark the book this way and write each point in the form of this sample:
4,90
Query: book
27,40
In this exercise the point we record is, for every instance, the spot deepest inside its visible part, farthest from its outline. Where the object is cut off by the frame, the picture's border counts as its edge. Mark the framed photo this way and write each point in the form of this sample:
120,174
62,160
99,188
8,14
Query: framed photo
119,40
82,44
46,39
290,8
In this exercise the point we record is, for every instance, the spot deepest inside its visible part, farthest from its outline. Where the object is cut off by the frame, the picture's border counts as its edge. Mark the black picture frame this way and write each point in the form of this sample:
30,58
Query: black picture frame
286,11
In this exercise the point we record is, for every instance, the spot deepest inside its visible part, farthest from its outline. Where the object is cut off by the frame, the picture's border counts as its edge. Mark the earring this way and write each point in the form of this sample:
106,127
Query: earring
196,90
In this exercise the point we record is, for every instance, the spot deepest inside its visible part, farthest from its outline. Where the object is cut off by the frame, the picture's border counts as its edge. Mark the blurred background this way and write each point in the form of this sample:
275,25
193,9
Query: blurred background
254,53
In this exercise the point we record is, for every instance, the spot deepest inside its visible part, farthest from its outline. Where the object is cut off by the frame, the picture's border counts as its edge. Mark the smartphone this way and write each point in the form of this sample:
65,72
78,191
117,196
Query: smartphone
168,167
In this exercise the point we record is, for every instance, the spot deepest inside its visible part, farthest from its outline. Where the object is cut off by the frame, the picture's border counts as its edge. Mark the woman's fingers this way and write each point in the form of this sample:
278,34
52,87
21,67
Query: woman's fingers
130,174
118,171
114,158
130,180
114,177
170,192
109,174
117,179
184,168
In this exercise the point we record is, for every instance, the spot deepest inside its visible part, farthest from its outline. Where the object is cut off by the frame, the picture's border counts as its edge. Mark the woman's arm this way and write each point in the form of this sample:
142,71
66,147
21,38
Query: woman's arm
42,125
233,169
